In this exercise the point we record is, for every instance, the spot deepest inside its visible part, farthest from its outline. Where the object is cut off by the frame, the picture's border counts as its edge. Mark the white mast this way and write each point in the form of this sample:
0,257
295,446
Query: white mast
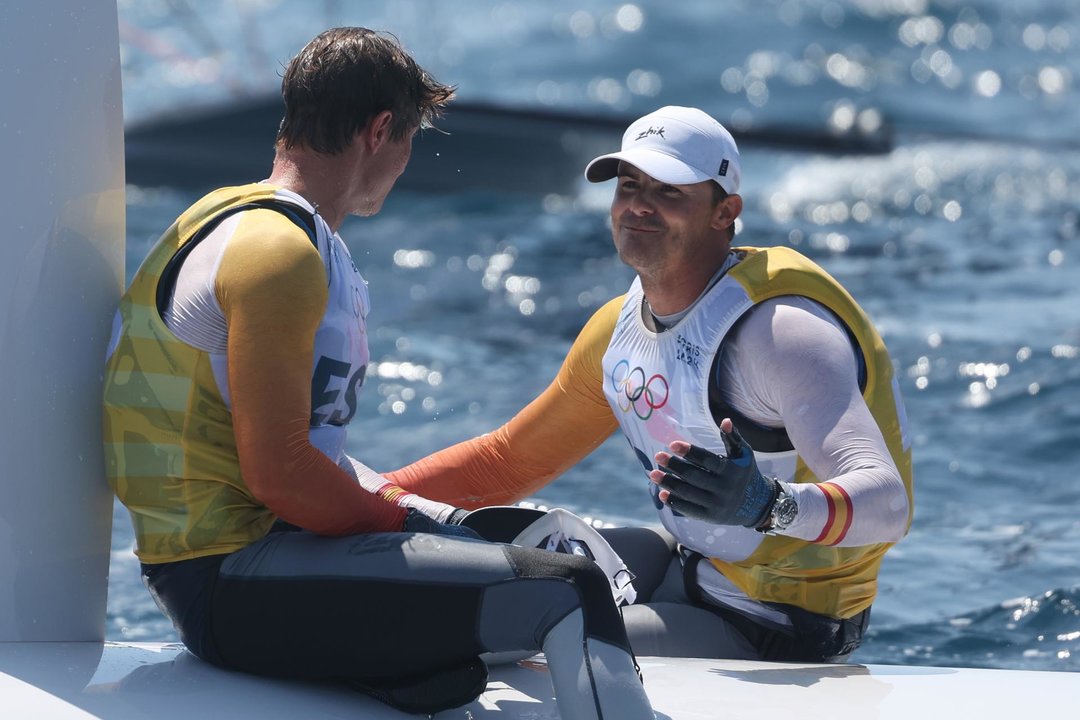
61,272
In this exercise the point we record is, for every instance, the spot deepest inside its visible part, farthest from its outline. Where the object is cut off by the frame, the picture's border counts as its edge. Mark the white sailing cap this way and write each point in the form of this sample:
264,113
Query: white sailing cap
676,145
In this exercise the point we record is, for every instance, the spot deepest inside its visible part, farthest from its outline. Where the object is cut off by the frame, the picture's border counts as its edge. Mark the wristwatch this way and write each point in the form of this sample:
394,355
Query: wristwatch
784,511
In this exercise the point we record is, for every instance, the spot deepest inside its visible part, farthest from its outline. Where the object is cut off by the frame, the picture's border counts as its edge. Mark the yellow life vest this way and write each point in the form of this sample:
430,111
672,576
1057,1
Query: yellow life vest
170,449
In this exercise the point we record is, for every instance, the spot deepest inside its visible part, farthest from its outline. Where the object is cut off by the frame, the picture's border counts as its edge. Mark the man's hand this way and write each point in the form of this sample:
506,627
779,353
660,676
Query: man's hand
720,490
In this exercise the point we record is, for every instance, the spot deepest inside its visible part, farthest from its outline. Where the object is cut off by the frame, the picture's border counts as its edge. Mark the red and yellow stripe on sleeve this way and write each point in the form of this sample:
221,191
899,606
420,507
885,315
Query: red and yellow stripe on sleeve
840,514
393,494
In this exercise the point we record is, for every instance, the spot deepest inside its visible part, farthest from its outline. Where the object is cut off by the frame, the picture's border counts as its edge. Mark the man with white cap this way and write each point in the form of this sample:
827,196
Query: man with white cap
756,394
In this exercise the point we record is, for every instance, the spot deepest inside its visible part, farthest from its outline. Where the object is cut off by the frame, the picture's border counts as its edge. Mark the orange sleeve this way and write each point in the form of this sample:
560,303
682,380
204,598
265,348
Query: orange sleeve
566,422
271,285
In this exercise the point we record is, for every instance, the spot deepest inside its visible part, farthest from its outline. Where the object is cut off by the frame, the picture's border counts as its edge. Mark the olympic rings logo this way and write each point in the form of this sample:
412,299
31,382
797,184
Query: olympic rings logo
637,391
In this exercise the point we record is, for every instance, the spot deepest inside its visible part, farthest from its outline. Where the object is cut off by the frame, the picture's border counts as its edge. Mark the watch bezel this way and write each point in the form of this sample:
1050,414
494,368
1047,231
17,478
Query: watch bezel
784,512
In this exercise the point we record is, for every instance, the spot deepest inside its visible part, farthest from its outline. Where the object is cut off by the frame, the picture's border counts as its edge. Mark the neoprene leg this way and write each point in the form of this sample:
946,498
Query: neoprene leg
376,606
390,606
668,629
584,669
580,631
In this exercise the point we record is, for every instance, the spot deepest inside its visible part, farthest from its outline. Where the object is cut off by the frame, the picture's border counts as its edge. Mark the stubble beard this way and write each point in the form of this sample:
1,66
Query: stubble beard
643,253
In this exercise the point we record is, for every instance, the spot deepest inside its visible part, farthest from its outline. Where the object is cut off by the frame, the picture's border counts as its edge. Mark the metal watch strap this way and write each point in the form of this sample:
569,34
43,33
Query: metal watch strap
783,512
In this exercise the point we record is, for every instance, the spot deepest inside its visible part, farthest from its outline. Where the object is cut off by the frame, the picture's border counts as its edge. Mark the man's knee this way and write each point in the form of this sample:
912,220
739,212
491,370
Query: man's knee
548,587
583,573
647,552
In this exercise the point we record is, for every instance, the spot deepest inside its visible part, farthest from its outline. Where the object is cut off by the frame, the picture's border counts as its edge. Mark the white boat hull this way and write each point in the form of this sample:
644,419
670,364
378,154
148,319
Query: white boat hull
125,681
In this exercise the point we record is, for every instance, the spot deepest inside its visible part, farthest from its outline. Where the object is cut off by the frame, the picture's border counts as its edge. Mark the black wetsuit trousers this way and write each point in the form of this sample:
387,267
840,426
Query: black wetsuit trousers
376,606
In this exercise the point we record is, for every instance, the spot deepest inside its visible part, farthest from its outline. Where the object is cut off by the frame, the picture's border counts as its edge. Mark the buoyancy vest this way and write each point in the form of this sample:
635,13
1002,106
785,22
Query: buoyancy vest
658,387
170,448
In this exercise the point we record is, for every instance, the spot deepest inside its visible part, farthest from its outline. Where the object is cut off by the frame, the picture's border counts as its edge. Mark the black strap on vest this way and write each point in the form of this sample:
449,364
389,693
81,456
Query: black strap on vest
761,437
167,283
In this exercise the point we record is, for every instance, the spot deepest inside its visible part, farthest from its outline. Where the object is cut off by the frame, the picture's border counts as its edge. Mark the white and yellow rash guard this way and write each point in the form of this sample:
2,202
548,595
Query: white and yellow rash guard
855,496
208,440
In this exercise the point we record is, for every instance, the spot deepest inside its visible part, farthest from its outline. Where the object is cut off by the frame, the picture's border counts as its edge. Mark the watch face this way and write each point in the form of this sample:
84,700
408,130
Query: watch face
785,511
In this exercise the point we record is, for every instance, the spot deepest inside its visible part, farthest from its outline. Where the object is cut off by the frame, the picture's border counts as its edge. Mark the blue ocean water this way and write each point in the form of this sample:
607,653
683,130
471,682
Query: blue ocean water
963,243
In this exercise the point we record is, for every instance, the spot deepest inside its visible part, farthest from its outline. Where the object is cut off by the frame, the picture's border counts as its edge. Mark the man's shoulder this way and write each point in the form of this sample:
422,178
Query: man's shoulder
221,200
773,259
224,197
595,337
773,271
272,234
266,217
609,312
601,326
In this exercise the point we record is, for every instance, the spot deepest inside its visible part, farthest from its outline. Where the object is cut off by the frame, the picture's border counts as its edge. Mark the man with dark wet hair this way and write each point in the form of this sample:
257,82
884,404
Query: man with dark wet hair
231,378
342,79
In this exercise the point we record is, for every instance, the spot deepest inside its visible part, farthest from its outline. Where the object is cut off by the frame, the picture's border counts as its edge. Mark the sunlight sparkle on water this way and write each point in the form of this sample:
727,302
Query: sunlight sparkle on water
985,370
629,18
987,83
644,82
389,370
924,30
1053,80
413,259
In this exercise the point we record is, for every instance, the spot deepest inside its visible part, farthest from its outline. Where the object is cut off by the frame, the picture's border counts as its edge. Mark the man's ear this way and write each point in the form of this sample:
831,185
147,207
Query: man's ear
378,131
726,211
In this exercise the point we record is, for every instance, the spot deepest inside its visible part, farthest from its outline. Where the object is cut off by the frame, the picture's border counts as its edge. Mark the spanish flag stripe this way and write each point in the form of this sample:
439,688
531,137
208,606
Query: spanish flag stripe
848,512
832,515
393,494
840,514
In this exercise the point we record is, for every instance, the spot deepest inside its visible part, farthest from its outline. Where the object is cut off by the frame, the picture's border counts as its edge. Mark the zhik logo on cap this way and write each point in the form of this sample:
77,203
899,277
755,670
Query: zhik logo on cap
651,131
676,145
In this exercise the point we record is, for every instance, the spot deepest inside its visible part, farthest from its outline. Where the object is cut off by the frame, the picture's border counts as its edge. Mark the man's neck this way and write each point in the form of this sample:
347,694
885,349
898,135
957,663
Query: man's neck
659,321
671,293
668,298
319,179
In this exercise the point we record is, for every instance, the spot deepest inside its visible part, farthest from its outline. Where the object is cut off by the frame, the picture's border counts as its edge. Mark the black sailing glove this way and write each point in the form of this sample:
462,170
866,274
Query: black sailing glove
720,490
457,516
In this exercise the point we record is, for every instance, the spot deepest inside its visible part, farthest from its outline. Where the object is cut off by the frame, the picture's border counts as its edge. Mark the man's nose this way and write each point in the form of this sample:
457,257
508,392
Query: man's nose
640,204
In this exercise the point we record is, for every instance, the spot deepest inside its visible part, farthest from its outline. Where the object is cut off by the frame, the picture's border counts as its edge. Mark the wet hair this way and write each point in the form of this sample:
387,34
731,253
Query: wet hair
345,77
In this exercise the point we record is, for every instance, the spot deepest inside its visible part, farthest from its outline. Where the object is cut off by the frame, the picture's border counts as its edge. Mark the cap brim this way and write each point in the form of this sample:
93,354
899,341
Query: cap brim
652,162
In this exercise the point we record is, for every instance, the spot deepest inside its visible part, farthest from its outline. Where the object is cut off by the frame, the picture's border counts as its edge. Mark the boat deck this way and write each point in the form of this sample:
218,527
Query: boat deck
123,681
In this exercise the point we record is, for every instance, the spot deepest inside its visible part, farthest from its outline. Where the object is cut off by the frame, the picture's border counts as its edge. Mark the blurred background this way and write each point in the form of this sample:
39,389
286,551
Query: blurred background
924,152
